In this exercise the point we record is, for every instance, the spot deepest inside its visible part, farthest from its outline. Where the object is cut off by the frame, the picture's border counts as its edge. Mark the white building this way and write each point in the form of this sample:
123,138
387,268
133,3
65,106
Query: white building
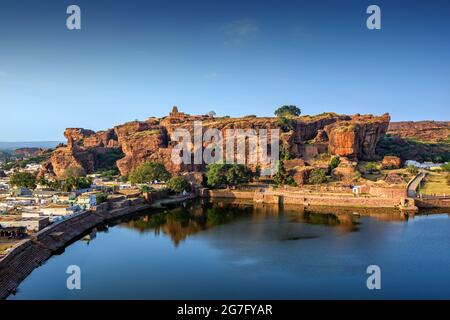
87,201
59,210
423,165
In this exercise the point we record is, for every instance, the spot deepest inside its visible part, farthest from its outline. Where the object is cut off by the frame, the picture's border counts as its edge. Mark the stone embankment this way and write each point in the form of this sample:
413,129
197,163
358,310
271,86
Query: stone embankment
30,253
280,196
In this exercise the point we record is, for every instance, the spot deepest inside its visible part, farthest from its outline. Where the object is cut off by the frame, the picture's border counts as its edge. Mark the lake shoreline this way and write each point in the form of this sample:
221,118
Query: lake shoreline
32,252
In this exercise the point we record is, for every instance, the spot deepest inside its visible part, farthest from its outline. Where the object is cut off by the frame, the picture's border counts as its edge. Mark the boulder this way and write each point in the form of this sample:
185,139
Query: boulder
391,162
346,170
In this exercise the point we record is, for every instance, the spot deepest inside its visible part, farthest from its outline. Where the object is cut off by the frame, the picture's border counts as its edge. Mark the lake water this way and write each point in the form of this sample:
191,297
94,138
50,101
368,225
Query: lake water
230,251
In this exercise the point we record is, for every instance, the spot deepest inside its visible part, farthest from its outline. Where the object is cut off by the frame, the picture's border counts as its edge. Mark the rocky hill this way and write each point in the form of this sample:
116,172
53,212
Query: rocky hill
421,141
133,143
426,131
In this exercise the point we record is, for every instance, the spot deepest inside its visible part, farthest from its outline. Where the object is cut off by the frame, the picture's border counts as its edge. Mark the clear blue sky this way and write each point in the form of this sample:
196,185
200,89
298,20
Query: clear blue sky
135,59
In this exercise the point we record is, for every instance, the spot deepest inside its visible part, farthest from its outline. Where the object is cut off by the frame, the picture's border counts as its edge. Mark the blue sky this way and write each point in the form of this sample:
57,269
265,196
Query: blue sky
135,59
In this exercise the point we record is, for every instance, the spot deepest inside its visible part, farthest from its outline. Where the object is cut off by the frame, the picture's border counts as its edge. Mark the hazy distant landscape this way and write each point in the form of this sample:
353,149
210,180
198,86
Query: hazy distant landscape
29,144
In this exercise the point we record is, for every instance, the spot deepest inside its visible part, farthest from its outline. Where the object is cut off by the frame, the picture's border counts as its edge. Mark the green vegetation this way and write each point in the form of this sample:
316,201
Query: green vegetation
287,124
412,170
282,177
436,184
334,163
177,184
23,180
101,198
219,175
410,149
446,167
68,184
149,172
285,115
107,160
285,154
108,174
73,183
73,172
8,166
317,176
371,168
145,189
288,111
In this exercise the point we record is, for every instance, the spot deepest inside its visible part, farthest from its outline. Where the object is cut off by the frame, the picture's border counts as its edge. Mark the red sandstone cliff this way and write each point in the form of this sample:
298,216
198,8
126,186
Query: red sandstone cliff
152,140
427,131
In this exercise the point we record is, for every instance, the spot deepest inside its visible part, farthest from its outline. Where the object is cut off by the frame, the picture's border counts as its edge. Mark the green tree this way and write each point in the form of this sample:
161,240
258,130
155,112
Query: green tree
149,172
23,180
412,170
101,198
317,176
218,174
73,183
371,167
282,177
288,111
177,184
287,124
238,174
334,163
75,171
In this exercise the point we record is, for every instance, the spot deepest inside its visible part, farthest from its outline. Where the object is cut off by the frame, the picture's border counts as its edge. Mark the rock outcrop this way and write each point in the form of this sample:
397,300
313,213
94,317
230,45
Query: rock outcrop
357,138
153,140
426,131
391,162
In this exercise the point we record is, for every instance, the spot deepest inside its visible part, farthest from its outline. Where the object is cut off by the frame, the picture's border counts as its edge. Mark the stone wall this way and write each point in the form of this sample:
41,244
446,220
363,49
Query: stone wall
304,199
433,202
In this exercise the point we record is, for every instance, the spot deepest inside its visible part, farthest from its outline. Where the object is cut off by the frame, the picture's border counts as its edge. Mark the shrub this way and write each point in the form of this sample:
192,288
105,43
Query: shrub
412,170
23,180
101,198
446,167
227,174
177,184
75,171
317,176
371,167
334,163
148,173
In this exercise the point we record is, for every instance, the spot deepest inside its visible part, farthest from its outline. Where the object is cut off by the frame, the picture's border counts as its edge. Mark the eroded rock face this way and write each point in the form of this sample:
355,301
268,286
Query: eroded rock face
391,162
153,140
357,138
428,131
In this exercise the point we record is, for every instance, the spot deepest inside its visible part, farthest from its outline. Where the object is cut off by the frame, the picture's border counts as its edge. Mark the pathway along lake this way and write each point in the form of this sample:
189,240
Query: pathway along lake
230,251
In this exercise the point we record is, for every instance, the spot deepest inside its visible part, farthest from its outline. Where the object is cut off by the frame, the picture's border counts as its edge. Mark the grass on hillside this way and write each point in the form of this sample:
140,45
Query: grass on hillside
435,184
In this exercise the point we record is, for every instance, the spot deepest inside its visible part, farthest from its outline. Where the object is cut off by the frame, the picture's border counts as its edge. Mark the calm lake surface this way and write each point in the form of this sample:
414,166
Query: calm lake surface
230,251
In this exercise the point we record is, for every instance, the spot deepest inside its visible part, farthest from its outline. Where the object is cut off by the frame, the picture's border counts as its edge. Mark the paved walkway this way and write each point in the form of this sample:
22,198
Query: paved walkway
414,184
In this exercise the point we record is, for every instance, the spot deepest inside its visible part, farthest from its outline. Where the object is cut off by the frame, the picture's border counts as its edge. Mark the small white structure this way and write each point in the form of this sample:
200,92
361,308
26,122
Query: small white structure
357,190
423,165
87,201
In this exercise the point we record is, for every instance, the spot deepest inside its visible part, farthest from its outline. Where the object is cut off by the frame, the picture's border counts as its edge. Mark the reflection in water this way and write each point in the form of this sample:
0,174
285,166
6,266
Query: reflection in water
183,221
226,250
